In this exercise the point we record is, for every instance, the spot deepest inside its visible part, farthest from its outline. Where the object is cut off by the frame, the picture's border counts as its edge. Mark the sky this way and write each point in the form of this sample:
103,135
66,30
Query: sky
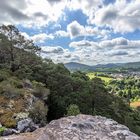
84,31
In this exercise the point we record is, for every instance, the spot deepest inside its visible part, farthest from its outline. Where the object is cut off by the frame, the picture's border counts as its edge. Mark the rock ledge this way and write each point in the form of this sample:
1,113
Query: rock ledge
80,127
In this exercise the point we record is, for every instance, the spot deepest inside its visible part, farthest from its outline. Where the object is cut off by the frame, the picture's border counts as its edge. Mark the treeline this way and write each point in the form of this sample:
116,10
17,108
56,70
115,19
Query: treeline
70,93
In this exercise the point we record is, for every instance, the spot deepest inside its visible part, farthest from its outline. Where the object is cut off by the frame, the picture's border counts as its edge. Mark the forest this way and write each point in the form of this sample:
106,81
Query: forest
54,90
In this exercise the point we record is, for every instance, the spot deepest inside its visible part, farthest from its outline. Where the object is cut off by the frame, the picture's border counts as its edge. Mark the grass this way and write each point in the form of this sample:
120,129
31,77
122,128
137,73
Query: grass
2,129
135,104
92,75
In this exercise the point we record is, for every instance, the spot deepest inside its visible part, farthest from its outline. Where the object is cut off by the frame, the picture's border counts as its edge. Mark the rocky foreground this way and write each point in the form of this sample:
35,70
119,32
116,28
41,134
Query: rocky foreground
80,127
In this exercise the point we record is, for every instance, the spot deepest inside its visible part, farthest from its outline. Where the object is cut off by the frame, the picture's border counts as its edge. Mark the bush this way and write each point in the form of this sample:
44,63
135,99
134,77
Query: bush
41,92
73,110
2,129
7,120
10,92
39,113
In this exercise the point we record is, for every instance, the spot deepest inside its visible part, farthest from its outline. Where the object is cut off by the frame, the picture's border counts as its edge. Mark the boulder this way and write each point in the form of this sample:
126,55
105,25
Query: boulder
80,127
7,132
26,125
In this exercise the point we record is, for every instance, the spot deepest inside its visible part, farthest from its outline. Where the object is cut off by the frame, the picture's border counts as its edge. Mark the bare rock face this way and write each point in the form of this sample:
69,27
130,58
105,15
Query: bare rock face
80,127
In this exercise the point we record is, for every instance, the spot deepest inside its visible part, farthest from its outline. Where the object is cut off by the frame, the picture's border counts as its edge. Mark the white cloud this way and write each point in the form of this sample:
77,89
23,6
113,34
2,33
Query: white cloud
108,51
87,6
90,52
120,43
75,29
38,38
56,53
52,50
30,12
84,44
41,38
61,33
122,16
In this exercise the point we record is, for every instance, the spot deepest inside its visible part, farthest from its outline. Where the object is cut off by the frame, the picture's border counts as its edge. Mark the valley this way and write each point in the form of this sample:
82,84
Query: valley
69,69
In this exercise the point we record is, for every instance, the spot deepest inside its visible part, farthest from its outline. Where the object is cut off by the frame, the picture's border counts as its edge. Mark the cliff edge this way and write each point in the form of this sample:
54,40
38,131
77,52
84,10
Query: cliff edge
80,127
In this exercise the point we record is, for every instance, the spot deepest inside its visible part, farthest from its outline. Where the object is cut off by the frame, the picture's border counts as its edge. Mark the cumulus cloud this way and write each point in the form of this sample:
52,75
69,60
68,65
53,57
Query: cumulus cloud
36,13
117,53
120,43
105,51
10,11
84,44
90,52
39,38
74,29
122,16
52,50
56,53
87,6
61,33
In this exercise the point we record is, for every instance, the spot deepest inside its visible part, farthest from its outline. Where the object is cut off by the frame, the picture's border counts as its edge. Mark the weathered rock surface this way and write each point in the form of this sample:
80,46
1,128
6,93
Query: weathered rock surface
26,125
80,127
7,132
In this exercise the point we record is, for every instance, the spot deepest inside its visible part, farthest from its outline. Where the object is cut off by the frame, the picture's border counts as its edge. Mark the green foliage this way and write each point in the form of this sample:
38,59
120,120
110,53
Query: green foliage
73,110
2,129
104,77
127,88
39,113
40,91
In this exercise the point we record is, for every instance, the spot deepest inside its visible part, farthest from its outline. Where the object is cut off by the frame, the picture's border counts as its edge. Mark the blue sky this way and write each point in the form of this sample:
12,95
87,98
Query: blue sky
84,31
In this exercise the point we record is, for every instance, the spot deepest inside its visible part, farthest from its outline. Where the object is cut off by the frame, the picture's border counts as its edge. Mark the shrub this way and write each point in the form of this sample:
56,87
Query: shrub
41,92
39,113
73,110
11,93
7,120
2,129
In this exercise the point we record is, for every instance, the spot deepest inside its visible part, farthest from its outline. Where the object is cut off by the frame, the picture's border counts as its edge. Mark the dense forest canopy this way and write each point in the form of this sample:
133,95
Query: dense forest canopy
59,92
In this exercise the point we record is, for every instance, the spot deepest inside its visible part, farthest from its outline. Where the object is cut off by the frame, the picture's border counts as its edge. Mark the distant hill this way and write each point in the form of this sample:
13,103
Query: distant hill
110,65
132,65
77,66
73,66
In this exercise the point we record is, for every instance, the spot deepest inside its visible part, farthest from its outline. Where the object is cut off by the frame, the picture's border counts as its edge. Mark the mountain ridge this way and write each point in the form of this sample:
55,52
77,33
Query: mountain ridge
80,66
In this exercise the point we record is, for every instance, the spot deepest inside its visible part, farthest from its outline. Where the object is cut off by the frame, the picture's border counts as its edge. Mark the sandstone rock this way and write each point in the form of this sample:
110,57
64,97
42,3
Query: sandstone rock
80,127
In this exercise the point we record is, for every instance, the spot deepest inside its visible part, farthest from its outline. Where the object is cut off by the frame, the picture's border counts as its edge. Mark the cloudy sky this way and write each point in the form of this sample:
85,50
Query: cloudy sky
85,31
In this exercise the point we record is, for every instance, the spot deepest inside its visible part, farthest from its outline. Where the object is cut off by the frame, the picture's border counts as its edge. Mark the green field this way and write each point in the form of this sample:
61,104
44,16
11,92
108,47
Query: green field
92,75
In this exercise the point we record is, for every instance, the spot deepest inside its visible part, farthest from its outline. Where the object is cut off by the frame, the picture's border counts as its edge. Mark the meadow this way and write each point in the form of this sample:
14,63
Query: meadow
93,75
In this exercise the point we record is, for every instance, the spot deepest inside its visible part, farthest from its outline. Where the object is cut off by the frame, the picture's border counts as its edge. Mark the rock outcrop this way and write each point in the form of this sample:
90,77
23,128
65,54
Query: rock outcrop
80,127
